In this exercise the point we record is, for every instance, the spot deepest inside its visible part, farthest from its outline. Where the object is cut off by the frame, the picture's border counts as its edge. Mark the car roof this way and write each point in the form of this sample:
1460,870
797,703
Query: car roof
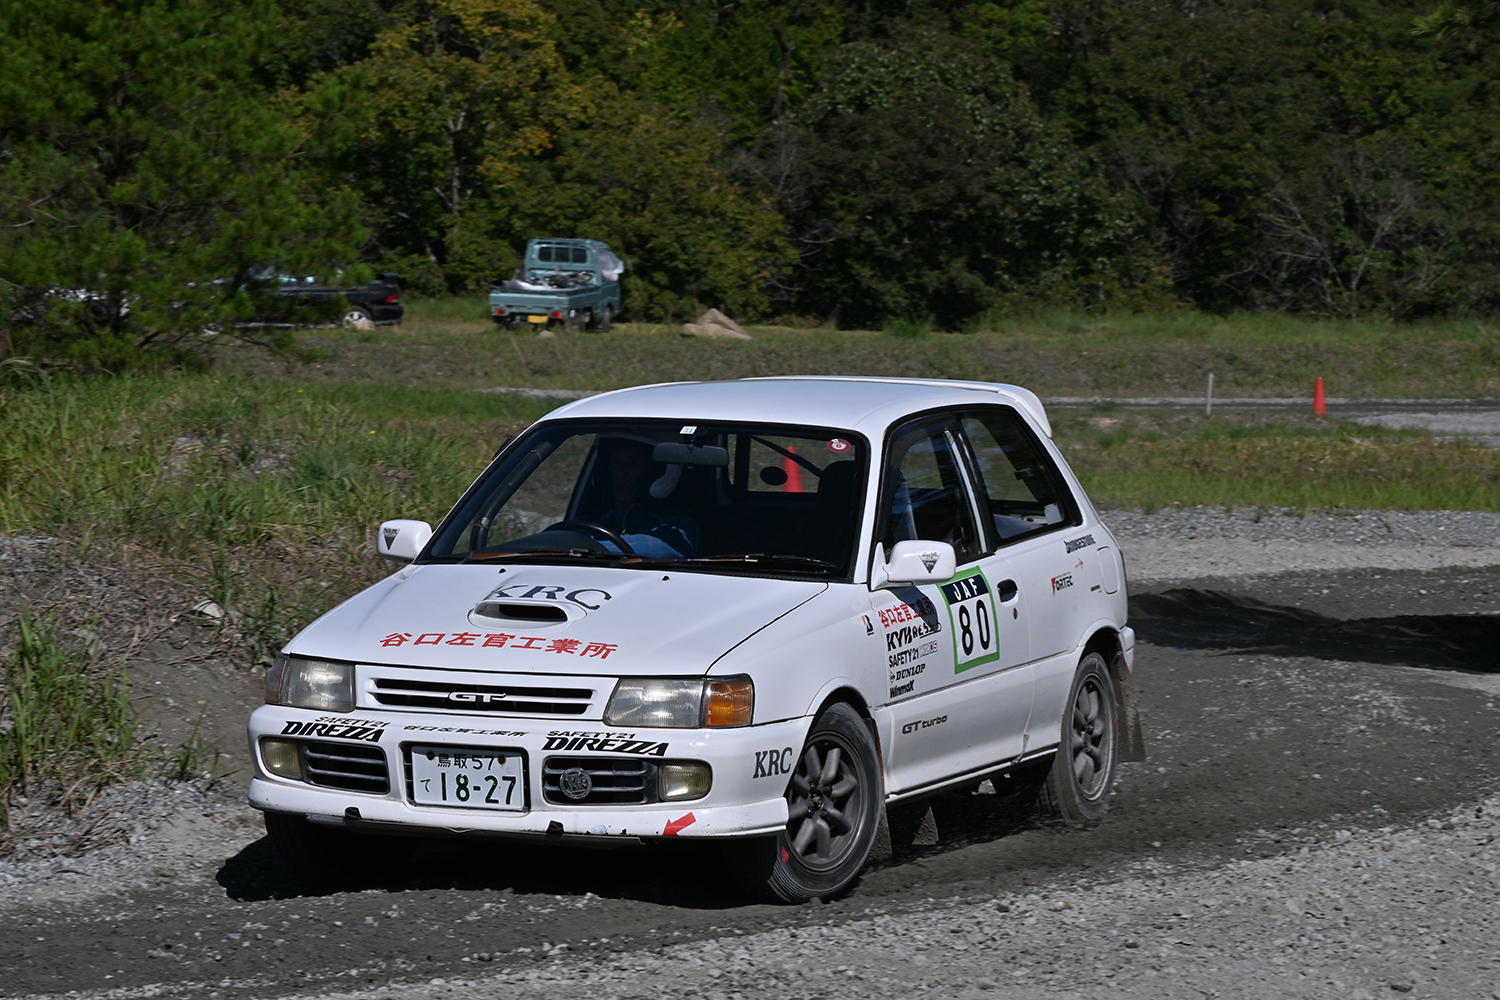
865,404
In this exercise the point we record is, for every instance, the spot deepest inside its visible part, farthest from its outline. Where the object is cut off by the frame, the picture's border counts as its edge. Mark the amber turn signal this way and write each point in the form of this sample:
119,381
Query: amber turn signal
728,701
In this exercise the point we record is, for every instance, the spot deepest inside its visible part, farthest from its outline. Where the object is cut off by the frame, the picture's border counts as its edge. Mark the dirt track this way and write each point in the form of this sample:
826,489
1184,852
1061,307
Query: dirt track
1278,709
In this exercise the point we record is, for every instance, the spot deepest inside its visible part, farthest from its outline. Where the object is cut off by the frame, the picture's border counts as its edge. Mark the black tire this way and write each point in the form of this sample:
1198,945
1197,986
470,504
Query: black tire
333,858
834,798
606,318
354,314
1083,772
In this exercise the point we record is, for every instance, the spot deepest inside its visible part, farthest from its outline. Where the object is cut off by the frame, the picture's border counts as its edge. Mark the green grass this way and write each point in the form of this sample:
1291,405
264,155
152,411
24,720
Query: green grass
265,493
450,343
69,730
1152,461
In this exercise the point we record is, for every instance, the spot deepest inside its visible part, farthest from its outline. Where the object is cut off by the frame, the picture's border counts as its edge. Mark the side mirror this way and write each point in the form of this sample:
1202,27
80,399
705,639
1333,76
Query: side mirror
913,562
400,541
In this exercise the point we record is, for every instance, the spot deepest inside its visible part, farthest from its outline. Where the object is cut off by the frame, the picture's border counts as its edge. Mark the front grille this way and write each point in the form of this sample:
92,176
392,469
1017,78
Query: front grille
352,768
448,696
616,781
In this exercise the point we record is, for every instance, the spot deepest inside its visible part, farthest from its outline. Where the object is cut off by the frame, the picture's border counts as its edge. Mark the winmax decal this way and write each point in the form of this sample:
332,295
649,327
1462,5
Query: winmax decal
333,731
907,634
770,763
1074,544
639,748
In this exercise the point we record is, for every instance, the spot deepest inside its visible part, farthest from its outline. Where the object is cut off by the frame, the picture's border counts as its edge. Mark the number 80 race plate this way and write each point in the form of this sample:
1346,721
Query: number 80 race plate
468,777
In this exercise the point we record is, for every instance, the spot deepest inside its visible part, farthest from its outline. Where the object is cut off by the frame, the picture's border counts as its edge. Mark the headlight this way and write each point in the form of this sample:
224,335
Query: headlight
681,702
314,684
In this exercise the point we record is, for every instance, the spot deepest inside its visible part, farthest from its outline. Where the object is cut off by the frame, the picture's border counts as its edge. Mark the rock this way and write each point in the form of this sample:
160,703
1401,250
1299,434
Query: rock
363,324
713,331
715,318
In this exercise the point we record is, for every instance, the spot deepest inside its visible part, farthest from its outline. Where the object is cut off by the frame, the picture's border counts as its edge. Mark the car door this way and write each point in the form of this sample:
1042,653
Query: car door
956,653
1033,520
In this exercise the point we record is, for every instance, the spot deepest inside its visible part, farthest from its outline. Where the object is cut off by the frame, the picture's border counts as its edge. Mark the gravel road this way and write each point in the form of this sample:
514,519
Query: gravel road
1318,818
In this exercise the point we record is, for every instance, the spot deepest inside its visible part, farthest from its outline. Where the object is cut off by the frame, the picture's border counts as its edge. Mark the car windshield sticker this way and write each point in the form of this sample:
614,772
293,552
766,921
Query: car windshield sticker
971,614
838,446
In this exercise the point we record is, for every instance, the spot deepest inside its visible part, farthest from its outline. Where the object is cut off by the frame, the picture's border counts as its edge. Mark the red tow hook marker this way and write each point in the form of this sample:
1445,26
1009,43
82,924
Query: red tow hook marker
675,826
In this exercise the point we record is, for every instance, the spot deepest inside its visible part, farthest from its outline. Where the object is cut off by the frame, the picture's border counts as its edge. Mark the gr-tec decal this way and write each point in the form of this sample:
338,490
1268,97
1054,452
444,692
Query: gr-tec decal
334,731
912,727
971,617
584,597
504,640
1062,582
770,763
1082,542
639,748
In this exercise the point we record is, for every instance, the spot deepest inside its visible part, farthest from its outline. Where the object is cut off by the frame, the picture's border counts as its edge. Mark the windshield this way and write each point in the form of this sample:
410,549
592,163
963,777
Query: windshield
751,498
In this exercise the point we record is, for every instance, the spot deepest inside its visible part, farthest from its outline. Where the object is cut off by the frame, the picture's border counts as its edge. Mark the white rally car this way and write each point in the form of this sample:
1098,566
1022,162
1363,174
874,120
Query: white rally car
762,610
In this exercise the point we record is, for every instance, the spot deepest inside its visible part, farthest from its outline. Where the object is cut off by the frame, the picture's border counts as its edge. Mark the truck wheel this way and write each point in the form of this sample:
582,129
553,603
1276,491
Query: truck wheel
605,315
334,858
833,802
1083,772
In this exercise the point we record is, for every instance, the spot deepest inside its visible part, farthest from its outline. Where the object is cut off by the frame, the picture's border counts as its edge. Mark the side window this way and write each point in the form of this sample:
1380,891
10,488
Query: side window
1025,492
923,492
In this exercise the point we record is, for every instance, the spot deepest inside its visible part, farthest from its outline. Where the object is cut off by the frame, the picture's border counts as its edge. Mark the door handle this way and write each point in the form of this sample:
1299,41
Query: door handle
1007,590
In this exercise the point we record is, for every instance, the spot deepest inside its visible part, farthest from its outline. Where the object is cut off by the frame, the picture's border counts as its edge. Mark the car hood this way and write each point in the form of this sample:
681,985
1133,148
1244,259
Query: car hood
551,619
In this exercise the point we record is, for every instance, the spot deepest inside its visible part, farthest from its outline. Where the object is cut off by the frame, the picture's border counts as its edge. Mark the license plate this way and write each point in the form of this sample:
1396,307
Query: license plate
468,778
536,319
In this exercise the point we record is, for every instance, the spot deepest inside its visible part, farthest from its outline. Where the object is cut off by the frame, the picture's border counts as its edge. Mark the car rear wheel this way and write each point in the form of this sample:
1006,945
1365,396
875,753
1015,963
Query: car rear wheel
1083,772
355,315
833,805
333,858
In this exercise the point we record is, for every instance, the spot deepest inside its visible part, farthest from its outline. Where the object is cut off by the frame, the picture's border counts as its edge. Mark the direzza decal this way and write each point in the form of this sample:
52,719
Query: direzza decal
334,731
503,640
638,748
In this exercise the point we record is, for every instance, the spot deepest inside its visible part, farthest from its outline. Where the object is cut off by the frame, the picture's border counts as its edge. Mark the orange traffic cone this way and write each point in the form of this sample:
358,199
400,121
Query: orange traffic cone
1320,405
793,474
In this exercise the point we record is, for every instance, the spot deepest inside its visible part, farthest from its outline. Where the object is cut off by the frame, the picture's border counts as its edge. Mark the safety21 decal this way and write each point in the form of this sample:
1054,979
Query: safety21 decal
971,616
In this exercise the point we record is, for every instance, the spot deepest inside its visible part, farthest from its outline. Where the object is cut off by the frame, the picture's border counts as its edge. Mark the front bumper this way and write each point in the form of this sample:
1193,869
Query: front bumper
746,797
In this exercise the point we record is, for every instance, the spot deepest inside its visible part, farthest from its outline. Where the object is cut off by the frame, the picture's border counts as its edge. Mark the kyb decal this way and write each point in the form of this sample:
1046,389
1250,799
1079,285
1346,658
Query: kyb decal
908,634
638,748
770,763
333,731
1074,544
912,727
547,592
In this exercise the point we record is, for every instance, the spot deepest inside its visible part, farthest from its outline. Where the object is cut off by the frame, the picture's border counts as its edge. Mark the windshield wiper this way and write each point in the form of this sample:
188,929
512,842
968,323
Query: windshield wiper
752,558
546,553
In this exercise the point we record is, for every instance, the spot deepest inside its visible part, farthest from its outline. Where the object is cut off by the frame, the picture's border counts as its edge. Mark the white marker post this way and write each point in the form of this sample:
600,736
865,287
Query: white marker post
1208,404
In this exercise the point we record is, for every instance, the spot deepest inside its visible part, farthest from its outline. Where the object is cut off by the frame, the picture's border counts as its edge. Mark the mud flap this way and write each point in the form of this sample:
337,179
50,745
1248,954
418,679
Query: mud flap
1132,743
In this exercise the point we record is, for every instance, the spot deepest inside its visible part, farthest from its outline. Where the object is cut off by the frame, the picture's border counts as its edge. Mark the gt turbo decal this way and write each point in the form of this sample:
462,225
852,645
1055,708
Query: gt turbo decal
769,763
640,748
1074,544
498,640
549,592
333,731
971,613
912,727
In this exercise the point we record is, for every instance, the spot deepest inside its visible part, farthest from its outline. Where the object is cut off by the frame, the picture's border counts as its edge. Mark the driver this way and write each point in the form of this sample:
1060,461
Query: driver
643,521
